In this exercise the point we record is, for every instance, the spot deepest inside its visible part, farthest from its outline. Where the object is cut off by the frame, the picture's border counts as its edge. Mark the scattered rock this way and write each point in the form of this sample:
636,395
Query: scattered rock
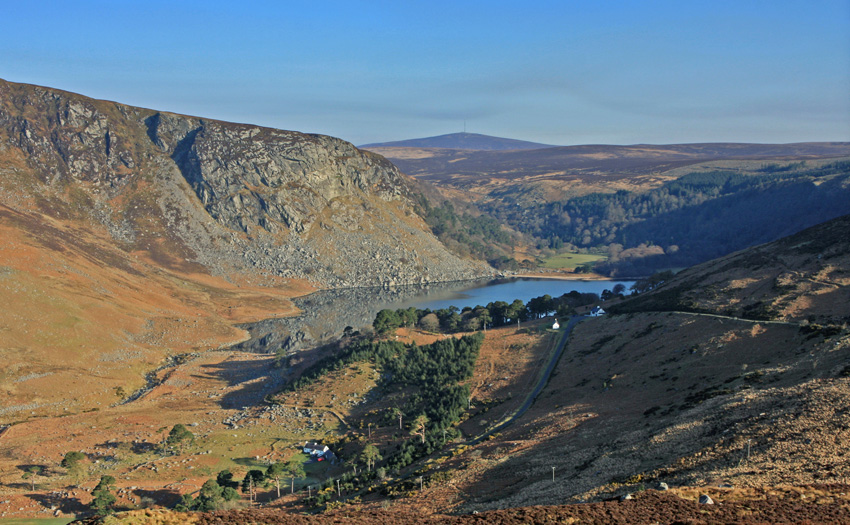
705,499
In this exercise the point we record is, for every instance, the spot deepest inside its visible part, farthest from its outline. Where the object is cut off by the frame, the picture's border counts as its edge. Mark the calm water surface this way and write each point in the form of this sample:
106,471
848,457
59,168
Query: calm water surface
507,290
325,314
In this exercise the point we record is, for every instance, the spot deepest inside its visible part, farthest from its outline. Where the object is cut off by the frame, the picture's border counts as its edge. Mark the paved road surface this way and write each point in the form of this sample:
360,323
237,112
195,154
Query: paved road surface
544,378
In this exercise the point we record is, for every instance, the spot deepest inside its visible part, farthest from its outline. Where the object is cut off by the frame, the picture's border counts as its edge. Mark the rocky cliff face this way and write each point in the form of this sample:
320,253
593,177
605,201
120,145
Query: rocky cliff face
231,198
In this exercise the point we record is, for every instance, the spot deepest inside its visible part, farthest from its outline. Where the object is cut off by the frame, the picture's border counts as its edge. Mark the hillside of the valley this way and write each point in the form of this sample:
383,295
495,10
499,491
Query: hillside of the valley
751,412
188,192
803,278
732,373
131,235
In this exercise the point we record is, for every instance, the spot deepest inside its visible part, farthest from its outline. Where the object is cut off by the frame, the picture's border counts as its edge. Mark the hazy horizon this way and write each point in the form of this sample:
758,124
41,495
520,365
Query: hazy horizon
562,73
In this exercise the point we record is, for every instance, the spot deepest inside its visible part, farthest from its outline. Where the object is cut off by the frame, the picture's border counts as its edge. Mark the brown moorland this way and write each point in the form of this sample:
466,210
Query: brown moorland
577,170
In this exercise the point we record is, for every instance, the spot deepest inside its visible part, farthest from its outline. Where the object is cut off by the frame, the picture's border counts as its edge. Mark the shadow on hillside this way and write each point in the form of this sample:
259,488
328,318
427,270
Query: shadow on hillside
60,500
255,380
250,462
25,467
143,448
251,381
20,485
163,497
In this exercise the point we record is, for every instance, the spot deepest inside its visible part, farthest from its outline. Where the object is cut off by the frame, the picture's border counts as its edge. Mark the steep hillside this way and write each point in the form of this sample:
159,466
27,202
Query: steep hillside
131,235
804,277
463,141
83,321
225,197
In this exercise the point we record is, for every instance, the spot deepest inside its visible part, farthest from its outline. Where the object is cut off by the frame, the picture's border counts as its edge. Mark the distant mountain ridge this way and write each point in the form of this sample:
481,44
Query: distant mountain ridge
596,160
465,141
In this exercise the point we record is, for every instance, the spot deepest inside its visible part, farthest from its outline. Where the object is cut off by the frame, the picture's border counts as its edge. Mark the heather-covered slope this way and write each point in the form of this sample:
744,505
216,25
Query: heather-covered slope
708,403
804,277
752,413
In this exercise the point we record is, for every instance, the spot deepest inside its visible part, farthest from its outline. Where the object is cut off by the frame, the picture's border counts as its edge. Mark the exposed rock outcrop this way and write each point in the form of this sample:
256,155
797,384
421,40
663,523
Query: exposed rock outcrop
232,198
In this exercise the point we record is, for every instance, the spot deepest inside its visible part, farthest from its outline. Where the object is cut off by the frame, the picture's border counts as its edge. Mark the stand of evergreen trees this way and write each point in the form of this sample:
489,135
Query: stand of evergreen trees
434,370
498,313
431,375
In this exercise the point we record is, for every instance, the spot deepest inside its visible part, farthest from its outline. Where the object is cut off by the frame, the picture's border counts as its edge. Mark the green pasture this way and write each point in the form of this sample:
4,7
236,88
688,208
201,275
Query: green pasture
35,521
570,260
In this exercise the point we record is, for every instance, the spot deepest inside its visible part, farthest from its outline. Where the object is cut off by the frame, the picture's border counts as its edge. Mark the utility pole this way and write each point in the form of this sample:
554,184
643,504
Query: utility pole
553,474
338,491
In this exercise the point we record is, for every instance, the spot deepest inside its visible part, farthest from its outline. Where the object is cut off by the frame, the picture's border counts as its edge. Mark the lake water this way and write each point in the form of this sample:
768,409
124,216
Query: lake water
325,314
506,290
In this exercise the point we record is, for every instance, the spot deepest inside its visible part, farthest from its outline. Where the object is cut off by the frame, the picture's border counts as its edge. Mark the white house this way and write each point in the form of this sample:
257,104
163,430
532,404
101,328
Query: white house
315,449
555,326
597,312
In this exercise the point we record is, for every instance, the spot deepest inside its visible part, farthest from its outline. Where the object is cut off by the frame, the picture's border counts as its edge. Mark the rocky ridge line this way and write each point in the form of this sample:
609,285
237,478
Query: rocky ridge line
233,198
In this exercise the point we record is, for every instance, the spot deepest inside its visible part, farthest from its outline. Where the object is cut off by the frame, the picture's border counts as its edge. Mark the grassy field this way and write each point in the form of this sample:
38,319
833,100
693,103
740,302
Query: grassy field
570,260
36,521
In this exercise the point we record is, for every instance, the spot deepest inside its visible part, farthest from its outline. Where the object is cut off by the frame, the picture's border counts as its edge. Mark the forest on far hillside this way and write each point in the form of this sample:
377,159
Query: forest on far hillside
694,218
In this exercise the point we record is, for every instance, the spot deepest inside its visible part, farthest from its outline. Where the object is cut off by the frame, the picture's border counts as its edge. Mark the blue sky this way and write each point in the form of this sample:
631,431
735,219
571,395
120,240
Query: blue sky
559,72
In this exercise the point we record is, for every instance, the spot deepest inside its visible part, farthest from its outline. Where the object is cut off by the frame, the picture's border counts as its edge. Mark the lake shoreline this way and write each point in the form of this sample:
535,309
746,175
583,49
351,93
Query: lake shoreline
563,276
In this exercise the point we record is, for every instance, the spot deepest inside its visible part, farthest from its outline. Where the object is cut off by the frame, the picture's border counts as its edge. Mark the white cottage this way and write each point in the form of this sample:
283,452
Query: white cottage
555,326
315,449
597,312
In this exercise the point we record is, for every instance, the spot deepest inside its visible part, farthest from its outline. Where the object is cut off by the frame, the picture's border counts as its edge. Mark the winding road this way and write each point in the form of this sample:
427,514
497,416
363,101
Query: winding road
730,318
541,382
